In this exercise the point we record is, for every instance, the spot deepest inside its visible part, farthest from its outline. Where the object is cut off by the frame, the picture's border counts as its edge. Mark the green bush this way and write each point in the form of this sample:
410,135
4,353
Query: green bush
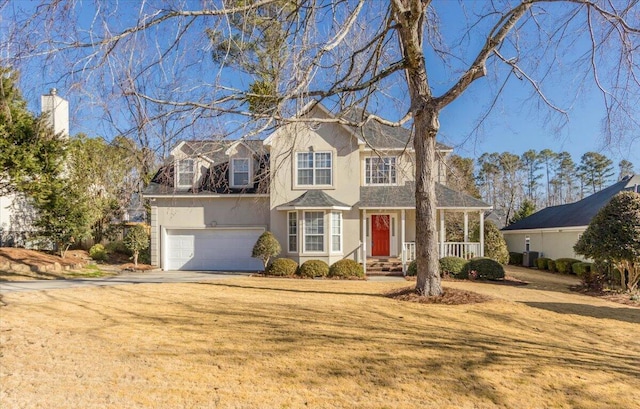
542,263
313,268
266,247
563,265
515,259
412,270
282,267
551,265
346,268
494,245
580,268
118,247
452,265
98,252
485,269
136,240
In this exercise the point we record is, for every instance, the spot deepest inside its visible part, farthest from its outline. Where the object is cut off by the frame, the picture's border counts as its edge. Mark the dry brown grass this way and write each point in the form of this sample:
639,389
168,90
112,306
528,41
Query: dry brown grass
267,343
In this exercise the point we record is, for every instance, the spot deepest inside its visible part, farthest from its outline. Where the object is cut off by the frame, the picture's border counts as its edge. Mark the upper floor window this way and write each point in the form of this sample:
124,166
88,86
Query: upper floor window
186,172
314,168
240,169
380,170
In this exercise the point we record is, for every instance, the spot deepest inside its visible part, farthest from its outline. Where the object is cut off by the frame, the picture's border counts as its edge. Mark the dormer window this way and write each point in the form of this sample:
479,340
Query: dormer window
380,170
186,173
240,172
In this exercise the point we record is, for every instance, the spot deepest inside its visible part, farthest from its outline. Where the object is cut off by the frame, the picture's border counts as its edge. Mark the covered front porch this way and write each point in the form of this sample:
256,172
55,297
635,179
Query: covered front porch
391,234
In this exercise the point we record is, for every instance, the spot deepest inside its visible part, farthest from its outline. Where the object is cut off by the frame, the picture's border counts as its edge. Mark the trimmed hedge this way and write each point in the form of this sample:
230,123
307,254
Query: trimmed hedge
542,263
313,268
452,265
515,259
551,264
282,267
580,268
485,269
346,268
563,265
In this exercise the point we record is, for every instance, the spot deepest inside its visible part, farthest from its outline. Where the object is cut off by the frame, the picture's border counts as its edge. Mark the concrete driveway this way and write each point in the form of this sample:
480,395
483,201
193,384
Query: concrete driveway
157,277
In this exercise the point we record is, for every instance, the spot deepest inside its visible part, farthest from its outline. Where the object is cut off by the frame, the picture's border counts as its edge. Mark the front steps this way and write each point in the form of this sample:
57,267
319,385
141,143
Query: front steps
384,266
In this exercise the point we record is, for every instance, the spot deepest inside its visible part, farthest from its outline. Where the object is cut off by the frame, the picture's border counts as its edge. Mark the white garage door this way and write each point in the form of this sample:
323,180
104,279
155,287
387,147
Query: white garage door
212,249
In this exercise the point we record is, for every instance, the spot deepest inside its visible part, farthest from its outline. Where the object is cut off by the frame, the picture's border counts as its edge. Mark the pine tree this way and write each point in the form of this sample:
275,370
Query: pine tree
597,170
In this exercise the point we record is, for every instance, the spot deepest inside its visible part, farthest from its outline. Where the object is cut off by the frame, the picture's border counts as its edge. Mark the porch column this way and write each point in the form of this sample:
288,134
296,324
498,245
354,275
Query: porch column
443,234
363,223
481,233
402,228
466,227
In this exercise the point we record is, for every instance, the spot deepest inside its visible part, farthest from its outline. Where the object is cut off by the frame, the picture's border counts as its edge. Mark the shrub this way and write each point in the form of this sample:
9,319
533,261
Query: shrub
551,264
494,245
542,263
515,259
98,252
118,247
266,247
313,268
485,269
580,268
412,270
136,240
452,265
563,265
282,267
593,280
346,268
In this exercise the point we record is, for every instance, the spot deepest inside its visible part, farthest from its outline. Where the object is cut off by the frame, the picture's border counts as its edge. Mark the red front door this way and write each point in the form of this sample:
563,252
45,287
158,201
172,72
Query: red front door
380,225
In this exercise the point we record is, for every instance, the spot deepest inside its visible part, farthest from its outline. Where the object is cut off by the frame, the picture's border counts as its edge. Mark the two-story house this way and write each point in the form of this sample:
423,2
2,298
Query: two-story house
326,191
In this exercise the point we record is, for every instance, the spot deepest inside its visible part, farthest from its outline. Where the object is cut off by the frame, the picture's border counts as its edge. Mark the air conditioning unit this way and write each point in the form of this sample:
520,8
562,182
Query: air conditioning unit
529,258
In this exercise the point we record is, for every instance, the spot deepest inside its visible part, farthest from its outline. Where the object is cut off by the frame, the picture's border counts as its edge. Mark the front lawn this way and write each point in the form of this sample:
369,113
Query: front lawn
269,343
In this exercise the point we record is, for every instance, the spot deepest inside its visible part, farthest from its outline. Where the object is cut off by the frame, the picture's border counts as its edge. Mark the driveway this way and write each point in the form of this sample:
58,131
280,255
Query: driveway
152,277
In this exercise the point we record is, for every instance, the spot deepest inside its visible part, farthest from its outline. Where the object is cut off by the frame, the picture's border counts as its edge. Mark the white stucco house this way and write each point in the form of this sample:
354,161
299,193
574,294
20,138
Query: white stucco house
325,190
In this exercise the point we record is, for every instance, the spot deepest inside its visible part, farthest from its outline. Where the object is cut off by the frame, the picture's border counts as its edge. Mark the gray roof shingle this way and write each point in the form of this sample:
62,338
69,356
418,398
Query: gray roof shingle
404,196
578,213
315,198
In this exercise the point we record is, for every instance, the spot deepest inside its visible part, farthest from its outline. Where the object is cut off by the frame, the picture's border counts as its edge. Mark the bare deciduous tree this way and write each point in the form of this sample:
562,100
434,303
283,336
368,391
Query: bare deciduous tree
345,53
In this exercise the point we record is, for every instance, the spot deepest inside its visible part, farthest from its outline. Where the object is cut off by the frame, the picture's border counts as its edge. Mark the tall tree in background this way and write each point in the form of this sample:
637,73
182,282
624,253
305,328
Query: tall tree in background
532,163
512,181
460,175
626,168
398,43
564,178
548,158
597,170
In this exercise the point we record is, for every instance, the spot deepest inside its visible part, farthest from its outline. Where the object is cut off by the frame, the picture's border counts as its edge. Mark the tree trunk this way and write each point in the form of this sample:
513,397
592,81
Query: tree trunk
135,258
426,128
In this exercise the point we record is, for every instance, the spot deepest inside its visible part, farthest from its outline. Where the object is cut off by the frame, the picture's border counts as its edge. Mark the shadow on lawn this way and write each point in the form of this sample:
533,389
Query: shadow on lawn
626,314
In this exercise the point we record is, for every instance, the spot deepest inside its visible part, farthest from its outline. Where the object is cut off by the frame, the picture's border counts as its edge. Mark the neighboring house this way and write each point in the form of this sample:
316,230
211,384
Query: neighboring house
16,215
553,231
325,190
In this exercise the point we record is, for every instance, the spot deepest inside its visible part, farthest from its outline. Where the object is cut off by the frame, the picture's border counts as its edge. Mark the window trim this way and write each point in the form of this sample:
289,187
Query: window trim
304,233
192,172
369,176
296,175
289,235
339,234
233,172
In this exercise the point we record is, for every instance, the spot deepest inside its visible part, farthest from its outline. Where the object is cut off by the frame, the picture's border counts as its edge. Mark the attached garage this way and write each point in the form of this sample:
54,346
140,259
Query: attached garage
222,249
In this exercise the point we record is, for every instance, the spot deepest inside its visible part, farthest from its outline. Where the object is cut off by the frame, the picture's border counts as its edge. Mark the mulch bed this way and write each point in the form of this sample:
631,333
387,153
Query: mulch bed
613,296
450,296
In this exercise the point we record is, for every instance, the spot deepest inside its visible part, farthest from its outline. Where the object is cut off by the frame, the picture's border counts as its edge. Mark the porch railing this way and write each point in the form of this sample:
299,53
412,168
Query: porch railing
448,249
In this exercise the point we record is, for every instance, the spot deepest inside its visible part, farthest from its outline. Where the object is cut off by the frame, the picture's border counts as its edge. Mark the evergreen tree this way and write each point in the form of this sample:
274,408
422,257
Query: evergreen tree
597,170
460,175
626,168
548,158
532,164
527,208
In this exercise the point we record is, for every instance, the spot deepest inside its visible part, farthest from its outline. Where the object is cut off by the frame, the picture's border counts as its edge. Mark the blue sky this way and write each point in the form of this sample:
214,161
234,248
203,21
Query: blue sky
517,122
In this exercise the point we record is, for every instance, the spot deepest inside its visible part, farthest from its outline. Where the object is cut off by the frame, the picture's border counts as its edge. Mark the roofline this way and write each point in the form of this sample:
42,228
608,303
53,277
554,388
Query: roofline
236,143
282,208
413,208
546,229
196,195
